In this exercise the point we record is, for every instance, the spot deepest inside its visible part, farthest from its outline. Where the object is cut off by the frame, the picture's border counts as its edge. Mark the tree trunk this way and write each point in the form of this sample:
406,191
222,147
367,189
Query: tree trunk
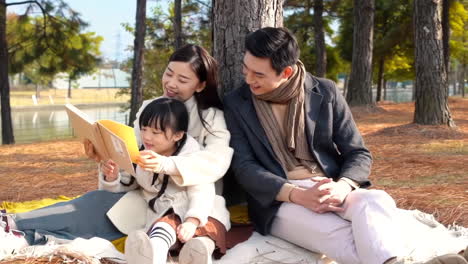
454,81
446,40
462,80
139,45
431,96
69,88
385,89
7,125
319,37
380,79
345,85
38,90
360,79
178,24
463,70
308,6
212,20
233,19
446,33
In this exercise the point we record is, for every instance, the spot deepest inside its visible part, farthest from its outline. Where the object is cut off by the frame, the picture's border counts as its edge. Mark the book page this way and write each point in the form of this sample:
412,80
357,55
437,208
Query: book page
84,127
121,143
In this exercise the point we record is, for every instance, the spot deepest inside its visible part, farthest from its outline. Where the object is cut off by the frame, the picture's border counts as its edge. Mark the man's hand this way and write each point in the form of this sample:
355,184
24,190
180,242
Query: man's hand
186,230
338,192
150,161
320,198
110,169
90,151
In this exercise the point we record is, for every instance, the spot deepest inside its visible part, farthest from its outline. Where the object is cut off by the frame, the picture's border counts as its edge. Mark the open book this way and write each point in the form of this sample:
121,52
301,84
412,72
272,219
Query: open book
111,140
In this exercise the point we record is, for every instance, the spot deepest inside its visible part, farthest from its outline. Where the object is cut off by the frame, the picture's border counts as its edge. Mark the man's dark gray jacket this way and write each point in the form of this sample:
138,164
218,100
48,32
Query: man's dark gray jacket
337,146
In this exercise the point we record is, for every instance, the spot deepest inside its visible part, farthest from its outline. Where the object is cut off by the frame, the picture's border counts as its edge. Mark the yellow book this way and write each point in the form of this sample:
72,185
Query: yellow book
112,140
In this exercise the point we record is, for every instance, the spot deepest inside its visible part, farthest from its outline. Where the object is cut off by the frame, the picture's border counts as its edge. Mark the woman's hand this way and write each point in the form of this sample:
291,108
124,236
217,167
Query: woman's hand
186,230
90,151
150,161
110,169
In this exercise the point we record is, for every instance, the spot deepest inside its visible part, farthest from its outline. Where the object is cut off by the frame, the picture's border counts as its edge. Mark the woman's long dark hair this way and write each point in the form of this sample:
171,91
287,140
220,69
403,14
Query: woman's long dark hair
206,69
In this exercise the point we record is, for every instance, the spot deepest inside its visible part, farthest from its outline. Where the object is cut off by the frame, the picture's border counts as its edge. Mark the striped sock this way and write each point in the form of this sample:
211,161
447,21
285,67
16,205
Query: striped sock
162,237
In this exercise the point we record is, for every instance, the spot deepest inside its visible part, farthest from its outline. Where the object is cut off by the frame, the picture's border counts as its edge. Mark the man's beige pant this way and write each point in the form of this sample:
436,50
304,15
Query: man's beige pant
364,233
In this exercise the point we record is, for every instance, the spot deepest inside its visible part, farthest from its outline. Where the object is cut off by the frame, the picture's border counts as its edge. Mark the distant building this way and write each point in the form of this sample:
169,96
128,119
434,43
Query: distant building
102,78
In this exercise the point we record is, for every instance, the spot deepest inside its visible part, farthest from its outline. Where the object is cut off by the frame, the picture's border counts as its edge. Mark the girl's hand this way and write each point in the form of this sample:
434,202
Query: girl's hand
150,161
90,151
110,169
186,230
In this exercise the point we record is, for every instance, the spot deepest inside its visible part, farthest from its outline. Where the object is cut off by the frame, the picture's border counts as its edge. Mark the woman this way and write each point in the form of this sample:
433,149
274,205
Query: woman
191,76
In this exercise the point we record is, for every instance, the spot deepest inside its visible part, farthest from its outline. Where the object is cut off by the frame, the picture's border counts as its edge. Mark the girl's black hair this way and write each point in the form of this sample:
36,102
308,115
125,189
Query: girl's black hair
206,69
163,113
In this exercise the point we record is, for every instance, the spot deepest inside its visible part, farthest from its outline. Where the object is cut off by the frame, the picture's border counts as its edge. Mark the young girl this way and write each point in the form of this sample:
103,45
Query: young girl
180,212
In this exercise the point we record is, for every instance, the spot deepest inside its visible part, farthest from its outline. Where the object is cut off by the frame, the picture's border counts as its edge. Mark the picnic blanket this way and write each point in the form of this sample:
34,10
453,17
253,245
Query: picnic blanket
423,239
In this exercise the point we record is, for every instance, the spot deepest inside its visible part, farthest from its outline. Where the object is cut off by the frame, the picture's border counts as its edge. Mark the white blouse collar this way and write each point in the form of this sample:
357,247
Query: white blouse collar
190,103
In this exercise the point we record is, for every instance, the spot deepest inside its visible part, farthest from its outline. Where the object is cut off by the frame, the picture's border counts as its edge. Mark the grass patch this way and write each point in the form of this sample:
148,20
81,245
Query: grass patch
436,179
55,96
448,147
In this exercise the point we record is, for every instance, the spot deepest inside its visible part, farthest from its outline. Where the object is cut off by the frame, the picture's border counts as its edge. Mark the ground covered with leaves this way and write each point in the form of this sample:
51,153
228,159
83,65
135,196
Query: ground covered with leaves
422,167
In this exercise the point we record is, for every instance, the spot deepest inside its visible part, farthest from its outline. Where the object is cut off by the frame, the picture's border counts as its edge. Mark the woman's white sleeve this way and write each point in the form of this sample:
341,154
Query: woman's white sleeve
210,163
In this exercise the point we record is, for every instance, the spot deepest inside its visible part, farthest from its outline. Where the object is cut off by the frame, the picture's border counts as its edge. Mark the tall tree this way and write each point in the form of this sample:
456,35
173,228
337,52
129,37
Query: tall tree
310,28
69,50
459,40
446,33
380,79
461,81
178,23
160,36
431,76
391,38
59,23
139,46
360,80
83,55
233,19
319,37
7,126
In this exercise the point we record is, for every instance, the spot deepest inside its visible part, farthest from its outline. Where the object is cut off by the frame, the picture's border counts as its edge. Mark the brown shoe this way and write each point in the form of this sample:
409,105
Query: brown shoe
448,259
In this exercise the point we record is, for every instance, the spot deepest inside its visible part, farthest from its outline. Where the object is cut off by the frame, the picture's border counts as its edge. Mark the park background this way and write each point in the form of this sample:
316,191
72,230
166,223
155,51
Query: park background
400,64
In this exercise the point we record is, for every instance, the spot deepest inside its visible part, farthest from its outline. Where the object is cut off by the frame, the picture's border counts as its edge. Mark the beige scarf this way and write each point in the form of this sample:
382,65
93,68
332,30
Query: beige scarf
291,149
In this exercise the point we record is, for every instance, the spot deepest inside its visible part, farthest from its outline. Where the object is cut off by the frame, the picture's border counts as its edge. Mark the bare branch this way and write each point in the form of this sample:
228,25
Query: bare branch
22,3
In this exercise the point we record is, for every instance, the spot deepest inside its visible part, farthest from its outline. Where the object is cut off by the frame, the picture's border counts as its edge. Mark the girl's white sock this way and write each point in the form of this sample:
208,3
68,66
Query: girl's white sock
162,237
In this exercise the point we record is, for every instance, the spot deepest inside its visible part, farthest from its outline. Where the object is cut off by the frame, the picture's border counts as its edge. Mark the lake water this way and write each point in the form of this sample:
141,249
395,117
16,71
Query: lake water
33,125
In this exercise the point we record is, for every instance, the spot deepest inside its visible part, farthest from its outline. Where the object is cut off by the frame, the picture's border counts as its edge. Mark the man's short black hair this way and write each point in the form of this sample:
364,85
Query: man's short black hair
278,44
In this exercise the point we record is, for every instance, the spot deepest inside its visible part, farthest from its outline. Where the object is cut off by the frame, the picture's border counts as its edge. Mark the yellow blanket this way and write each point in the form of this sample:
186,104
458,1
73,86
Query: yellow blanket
20,207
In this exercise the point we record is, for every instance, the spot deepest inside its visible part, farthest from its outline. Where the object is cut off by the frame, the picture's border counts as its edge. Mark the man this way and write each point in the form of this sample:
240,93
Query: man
302,161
